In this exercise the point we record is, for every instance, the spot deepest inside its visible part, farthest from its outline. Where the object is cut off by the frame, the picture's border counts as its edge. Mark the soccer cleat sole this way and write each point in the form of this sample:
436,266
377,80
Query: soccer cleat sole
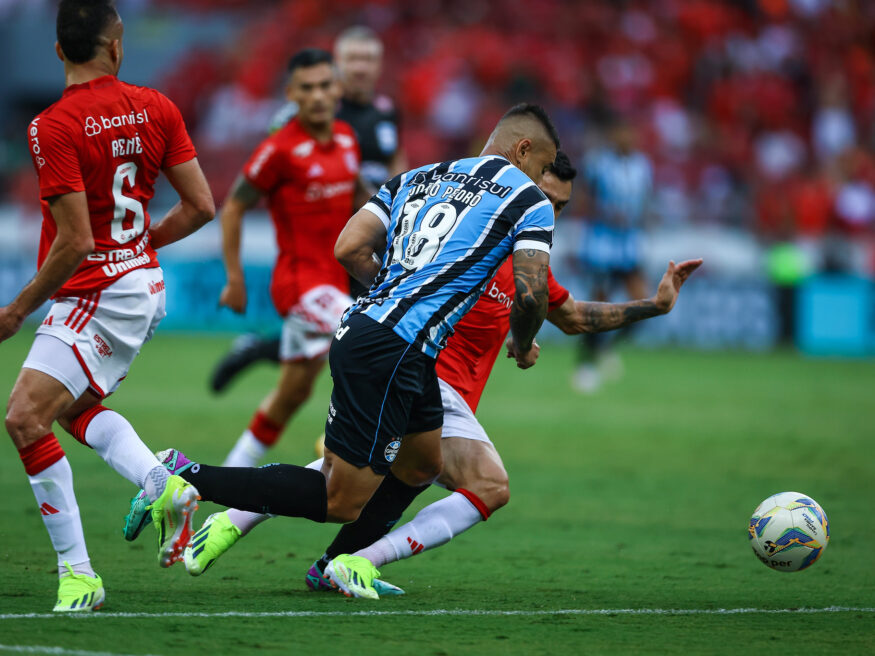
186,504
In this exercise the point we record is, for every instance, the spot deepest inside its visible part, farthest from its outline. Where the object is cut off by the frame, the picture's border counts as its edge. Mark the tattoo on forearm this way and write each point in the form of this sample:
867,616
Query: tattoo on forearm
531,299
600,317
244,192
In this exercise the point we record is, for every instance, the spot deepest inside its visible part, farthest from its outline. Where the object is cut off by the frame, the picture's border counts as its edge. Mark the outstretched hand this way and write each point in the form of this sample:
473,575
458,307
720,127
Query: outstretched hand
670,285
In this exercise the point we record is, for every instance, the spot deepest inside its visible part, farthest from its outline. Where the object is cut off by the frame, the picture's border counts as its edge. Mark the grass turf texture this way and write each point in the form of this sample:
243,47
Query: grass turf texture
637,497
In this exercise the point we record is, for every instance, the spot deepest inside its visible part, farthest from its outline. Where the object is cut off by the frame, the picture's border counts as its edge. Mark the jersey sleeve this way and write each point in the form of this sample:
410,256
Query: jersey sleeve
179,148
557,293
55,158
265,167
381,202
534,230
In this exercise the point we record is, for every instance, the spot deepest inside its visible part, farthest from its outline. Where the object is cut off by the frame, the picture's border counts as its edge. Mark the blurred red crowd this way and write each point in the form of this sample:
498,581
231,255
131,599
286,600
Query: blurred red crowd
757,113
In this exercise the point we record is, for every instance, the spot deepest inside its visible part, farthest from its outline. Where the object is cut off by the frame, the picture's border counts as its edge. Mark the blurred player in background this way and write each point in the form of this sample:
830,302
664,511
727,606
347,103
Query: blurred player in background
309,171
358,55
619,184
97,153
473,469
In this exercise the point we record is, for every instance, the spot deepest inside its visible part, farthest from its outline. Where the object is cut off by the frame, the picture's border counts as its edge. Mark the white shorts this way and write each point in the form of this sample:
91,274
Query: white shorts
459,421
310,325
104,330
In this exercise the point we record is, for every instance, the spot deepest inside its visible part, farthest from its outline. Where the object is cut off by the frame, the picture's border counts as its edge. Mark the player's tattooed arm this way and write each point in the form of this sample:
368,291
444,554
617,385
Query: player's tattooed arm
530,273
243,196
73,242
575,317
359,244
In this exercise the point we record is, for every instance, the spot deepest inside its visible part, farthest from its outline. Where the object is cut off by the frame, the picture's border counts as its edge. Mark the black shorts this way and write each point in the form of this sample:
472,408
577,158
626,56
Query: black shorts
384,389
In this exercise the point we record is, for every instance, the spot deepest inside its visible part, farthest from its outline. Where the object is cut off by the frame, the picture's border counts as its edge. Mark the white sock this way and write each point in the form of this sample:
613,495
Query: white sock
434,525
116,441
247,452
246,520
156,482
53,489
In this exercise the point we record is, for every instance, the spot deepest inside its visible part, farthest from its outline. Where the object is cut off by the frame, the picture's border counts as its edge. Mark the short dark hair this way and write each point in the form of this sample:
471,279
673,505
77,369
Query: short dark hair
309,57
536,112
562,168
79,26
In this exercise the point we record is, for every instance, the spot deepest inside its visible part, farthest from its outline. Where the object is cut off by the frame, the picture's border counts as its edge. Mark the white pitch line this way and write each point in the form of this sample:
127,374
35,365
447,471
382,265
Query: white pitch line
455,612
54,651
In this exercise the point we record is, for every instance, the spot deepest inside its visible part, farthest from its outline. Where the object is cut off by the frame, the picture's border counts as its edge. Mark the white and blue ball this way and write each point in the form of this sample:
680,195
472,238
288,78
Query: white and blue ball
789,532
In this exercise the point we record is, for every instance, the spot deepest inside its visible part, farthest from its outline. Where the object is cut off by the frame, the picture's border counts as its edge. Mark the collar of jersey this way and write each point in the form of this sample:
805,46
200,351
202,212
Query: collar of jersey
101,81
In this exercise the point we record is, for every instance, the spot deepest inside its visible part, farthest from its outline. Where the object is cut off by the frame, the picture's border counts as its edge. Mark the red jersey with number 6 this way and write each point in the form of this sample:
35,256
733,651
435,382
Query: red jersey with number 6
109,139
309,187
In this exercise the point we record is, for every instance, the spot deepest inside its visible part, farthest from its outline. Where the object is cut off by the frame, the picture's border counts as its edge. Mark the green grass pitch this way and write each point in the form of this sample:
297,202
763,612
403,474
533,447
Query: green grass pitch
635,498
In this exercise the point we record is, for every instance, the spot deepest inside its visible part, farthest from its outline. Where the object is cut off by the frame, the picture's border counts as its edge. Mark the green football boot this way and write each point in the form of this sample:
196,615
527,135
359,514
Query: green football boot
214,538
79,592
172,513
354,576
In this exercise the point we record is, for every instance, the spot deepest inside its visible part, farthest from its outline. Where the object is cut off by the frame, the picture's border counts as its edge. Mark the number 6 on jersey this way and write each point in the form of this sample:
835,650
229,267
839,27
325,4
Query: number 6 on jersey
126,171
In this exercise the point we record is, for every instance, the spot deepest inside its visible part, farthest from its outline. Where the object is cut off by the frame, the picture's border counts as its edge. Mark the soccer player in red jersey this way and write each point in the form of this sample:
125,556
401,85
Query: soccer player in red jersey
97,153
309,172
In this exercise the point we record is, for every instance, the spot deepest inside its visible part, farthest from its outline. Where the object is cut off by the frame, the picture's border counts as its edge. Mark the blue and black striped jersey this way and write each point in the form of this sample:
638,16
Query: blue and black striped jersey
450,226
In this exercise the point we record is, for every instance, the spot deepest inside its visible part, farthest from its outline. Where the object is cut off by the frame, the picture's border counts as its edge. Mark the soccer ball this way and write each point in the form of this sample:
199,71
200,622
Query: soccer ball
789,531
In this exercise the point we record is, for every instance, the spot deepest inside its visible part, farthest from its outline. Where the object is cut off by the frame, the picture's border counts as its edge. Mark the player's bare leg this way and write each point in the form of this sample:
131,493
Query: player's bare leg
473,469
348,488
291,392
418,463
36,400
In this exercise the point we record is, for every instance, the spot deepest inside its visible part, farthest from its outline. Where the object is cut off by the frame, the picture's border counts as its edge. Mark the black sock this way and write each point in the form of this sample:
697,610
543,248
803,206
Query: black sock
269,349
377,518
278,489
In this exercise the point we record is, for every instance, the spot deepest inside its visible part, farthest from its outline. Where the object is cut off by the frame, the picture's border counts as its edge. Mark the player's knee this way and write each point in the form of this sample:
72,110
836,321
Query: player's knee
294,396
501,496
340,511
22,424
423,472
494,492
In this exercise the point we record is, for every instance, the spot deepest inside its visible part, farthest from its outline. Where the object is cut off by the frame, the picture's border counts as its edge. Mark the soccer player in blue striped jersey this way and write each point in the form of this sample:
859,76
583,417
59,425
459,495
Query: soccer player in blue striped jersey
426,244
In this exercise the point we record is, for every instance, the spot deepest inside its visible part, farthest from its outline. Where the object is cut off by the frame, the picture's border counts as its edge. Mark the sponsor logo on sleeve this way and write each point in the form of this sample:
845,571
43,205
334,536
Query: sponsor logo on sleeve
351,161
34,143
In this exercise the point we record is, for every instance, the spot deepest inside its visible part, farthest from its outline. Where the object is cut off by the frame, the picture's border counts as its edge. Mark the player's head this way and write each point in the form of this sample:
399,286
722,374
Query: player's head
89,31
525,135
359,55
313,86
623,134
557,181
